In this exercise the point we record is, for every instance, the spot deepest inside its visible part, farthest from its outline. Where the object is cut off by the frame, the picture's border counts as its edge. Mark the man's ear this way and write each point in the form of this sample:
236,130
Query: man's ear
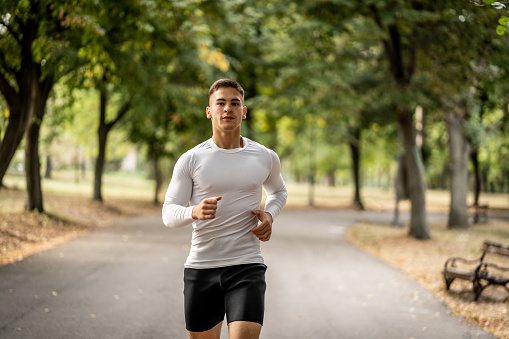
207,111
244,109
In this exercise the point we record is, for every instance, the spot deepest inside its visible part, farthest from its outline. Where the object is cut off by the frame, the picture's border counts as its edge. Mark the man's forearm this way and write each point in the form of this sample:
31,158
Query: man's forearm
275,202
176,216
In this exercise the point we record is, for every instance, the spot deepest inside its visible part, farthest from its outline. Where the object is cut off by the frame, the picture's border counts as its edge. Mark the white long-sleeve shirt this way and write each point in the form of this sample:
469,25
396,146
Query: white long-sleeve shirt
237,175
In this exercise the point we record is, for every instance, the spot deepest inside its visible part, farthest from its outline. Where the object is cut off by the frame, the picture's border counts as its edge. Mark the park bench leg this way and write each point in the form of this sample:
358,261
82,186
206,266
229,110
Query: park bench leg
448,282
478,288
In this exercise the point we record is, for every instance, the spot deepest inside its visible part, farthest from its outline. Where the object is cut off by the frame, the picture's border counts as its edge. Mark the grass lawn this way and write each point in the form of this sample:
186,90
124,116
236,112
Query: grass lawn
71,212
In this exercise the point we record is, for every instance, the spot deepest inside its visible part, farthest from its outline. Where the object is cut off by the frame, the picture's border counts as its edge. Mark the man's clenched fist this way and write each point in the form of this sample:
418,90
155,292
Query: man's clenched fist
264,230
206,209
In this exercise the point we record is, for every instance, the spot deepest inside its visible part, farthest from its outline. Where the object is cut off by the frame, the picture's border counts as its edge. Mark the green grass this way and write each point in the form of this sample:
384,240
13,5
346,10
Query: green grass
138,186
115,184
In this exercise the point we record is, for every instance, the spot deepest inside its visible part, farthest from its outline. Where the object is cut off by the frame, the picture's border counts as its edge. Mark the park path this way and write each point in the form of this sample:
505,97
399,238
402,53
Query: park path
125,281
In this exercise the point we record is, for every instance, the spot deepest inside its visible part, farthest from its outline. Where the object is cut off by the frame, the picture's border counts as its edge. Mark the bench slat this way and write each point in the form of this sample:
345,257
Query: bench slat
454,273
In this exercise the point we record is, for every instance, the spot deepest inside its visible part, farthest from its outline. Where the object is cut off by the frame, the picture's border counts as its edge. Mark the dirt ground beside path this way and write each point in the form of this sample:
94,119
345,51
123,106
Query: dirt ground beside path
424,260
25,233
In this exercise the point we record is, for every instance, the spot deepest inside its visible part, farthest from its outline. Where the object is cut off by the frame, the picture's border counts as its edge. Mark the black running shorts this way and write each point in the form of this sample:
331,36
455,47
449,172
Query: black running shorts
238,291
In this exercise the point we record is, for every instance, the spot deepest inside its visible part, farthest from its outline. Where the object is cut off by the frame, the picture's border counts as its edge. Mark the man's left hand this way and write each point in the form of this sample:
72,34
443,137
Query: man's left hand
264,230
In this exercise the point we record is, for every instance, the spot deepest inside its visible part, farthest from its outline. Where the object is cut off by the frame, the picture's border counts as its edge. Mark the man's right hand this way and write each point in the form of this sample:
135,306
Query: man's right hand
206,209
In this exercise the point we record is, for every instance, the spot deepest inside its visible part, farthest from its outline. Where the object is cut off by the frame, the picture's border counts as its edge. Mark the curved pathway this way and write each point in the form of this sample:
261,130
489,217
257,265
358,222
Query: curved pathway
125,281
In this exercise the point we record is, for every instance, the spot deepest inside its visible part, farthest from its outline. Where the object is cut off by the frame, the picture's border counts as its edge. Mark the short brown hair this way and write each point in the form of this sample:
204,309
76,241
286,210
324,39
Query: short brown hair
226,83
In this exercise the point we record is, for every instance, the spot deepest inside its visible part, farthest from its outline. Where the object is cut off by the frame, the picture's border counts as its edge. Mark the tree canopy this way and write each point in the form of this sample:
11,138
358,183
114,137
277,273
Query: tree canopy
345,91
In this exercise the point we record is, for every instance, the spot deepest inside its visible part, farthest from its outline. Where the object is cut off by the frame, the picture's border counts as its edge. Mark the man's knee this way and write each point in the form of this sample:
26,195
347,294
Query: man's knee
244,330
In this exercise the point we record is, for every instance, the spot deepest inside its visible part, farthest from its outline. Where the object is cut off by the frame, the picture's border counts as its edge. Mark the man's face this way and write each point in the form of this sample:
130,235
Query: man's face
225,109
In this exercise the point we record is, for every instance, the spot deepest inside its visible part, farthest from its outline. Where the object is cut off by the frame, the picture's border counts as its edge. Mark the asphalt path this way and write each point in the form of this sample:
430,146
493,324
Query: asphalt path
125,281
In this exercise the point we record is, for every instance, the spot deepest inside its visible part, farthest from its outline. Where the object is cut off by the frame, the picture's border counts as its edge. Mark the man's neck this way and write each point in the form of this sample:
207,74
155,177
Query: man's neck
226,141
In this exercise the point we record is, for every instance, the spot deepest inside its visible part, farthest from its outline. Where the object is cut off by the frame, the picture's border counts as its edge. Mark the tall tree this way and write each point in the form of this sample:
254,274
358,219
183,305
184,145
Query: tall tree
38,41
398,25
171,101
117,67
364,102
462,69
400,45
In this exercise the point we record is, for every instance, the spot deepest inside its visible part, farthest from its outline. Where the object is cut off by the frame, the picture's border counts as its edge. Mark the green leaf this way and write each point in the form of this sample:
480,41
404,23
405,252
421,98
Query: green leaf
500,30
503,21
488,2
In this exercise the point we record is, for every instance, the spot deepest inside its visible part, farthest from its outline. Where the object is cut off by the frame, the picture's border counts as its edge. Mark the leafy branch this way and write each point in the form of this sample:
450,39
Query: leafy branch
504,20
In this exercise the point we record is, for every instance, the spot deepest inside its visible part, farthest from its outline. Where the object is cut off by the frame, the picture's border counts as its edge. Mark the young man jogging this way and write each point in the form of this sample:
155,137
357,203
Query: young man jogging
217,186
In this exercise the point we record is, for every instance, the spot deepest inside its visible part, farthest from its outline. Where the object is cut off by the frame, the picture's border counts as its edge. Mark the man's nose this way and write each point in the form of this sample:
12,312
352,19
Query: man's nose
227,108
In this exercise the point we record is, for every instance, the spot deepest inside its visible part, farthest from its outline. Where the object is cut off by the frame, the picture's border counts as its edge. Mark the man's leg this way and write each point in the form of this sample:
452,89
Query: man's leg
244,330
245,300
213,333
203,303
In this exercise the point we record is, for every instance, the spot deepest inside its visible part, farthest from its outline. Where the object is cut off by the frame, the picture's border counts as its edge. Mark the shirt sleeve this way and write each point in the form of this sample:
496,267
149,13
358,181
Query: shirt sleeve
275,188
175,212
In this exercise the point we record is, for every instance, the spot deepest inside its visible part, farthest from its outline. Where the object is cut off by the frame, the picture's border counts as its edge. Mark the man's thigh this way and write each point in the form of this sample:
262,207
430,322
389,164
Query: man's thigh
203,299
245,287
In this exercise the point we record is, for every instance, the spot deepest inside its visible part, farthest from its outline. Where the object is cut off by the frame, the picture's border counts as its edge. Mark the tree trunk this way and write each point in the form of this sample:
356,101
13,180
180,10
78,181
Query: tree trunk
477,176
504,123
49,167
14,133
32,168
37,101
355,149
311,186
401,188
159,181
331,175
416,187
311,166
21,108
507,179
21,102
474,155
459,151
102,133
158,175
400,184
32,159
99,163
402,57
104,129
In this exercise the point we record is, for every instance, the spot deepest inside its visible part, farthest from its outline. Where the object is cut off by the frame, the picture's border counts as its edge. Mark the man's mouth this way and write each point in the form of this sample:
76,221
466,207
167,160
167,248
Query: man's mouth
228,118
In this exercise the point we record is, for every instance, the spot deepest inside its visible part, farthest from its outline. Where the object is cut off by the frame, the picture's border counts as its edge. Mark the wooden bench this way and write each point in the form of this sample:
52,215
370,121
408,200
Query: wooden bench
479,212
479,271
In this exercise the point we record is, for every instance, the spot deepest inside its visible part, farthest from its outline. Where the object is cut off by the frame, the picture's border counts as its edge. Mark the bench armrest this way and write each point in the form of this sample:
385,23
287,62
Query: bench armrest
452,261
487,265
